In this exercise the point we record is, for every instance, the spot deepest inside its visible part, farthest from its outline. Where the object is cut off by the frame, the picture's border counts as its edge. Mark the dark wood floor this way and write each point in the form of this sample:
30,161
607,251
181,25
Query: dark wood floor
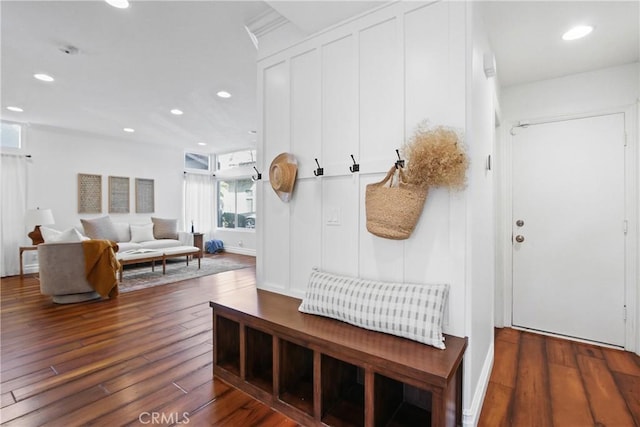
149,353
117,362
543,381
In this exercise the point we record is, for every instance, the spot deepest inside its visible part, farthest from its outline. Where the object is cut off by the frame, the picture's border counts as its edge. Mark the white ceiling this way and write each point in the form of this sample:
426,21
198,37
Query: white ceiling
526,37
136,64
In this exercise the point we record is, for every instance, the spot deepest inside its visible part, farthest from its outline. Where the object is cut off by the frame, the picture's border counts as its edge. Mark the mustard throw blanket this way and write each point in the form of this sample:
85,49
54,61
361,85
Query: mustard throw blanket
101,266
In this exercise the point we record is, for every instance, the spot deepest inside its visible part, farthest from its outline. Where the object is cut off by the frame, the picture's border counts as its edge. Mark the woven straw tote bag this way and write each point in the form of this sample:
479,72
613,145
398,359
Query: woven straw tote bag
393,212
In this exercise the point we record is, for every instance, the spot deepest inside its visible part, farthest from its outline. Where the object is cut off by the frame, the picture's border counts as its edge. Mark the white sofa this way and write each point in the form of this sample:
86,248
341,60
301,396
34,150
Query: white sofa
61,256
158,233
125,242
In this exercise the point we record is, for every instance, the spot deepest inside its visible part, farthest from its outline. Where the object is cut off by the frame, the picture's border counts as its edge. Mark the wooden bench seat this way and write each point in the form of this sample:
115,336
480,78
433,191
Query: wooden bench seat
320,371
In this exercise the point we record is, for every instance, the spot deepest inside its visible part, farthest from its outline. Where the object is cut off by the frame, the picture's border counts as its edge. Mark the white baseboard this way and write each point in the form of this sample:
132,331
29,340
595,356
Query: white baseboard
31,269
240,251
471,416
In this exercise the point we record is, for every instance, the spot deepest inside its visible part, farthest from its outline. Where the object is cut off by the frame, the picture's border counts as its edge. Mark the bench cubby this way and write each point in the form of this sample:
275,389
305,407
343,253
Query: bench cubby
342,393
394,404
259,359
296,376
227,345
323,372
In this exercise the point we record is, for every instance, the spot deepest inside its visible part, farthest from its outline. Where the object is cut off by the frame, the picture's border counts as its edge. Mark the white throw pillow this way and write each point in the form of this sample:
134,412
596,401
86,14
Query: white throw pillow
51,235
408,310
122,231
141,233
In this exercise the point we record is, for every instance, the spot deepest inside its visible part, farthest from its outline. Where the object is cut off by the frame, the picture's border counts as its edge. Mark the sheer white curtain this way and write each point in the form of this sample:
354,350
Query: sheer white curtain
199,203
13,203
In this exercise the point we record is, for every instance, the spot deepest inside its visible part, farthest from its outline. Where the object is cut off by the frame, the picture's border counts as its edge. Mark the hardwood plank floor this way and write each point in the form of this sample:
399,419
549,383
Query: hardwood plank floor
149,353
146,354
545,381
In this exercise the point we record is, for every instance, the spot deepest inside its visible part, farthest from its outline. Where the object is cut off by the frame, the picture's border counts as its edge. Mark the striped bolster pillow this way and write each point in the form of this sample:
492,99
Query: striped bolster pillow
408,310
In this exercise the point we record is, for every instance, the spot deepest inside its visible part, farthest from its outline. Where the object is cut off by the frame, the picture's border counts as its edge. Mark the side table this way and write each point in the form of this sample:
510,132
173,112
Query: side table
22,250
198,243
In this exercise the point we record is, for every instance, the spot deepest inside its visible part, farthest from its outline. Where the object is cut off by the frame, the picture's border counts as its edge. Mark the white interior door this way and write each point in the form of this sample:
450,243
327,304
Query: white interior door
568,228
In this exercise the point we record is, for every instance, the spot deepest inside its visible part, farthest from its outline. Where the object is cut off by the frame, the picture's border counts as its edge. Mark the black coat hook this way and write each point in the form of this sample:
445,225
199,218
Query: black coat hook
319,171
399,162
355,167
258,177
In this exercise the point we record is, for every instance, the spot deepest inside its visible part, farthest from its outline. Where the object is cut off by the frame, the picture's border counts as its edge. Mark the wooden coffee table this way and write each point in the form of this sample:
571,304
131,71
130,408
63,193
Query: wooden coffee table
178,251
146,255
135,257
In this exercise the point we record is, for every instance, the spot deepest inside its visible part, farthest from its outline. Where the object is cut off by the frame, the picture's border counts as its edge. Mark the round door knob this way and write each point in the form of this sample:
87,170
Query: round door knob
519,238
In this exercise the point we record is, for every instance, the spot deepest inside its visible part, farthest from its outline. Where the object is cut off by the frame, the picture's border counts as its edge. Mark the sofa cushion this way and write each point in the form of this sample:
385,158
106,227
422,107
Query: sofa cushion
165,228
141,233
127,246
100,228
51,235
408,310
123,232
160,244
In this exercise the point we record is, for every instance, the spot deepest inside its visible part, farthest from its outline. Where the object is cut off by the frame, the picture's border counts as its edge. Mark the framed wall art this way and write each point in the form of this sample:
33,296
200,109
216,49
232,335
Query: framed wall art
118,194
144,196
89,193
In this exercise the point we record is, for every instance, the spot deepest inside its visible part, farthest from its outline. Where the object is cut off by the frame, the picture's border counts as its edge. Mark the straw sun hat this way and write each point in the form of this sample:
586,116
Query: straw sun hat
282,175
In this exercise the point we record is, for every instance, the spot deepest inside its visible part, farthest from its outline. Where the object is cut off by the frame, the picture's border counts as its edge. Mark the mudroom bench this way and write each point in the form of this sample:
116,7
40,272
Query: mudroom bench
320,371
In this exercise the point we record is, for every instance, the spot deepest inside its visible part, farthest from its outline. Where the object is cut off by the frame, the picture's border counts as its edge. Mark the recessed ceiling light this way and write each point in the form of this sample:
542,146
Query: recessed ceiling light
130,130
43,77
202,143
252,132
16,109
177,112
224,94
577,32
120,4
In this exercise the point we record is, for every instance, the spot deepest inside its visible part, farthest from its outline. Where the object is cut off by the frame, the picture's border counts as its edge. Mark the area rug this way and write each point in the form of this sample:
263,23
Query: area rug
140,276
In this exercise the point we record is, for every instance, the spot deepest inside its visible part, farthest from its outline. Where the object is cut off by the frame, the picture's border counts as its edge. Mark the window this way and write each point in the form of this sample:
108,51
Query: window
236,203
236,190
11,136
196,162
236,159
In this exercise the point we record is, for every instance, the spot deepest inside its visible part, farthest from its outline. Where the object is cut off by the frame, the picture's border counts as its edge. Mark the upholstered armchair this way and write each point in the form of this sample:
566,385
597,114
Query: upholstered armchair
62,273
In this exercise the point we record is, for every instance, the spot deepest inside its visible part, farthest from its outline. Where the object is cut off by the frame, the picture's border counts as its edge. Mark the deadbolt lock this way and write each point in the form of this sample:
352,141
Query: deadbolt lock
519,223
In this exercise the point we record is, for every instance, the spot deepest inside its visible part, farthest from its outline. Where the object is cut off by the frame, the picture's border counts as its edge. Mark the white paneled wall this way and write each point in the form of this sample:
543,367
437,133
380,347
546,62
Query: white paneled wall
274,215
339,104
306,123
381,94
361,89
340,201
306,228
435,64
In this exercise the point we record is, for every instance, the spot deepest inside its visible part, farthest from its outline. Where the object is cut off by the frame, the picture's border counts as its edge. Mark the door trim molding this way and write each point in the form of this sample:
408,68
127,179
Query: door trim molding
504,218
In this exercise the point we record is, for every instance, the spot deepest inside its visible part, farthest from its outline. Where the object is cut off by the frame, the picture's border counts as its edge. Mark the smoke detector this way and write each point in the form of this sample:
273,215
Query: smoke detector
69,50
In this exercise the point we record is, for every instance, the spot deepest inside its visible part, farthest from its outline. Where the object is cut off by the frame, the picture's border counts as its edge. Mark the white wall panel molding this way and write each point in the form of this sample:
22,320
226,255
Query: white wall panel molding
306,104
340,224
306,233
275,111
381,93
340,121
361,89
